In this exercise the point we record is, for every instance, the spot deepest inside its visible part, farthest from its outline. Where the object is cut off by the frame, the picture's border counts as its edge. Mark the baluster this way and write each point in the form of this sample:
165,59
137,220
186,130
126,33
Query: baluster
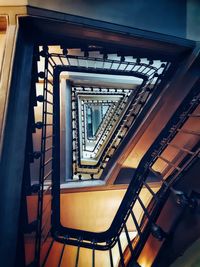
128,239
41,98
62,63
51,57
111,258
61,255
169,163
144,208
185,131
156,230
136,223
93,255
47,254
180,148
77,254
159,176
150,190
121,253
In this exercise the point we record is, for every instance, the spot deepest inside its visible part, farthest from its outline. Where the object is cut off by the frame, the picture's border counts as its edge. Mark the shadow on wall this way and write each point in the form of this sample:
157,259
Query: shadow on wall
190,258
126,174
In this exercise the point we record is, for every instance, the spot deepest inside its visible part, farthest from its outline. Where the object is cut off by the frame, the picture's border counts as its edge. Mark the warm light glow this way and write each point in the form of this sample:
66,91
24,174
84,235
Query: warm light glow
149,252
3,28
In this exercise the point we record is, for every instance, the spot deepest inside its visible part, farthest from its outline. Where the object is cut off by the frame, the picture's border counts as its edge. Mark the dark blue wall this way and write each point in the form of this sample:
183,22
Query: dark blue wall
163,16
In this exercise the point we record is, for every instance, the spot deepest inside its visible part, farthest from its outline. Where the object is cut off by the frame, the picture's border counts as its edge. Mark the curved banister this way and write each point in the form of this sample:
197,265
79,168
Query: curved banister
136,184
104,240
153,75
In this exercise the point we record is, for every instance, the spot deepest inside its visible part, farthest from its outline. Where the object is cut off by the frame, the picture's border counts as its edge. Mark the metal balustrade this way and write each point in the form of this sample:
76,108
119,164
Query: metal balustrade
48,232
41,165
127,112
104,131
107,240
151,74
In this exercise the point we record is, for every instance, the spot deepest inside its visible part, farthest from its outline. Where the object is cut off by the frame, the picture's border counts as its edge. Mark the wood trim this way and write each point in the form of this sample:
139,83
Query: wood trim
3,24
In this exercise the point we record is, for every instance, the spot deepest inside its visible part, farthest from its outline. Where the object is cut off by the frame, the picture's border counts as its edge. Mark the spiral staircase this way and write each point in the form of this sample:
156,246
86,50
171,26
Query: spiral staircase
91,106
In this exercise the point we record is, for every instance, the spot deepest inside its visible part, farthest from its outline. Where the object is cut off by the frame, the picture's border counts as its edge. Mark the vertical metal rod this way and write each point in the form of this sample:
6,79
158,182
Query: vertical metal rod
51,57
61,255
68,61
47,254
136,223
169,163
93,257
121,253
50,63
77,256
143,207
41,171
127,64
180,148
60,60
112,62
134,64
111,258
139,67
159,176
128,239
119,66
150,190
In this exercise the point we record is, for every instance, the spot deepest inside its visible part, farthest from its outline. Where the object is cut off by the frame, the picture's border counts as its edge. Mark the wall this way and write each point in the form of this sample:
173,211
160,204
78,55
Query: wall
190,258
162,16
193,20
